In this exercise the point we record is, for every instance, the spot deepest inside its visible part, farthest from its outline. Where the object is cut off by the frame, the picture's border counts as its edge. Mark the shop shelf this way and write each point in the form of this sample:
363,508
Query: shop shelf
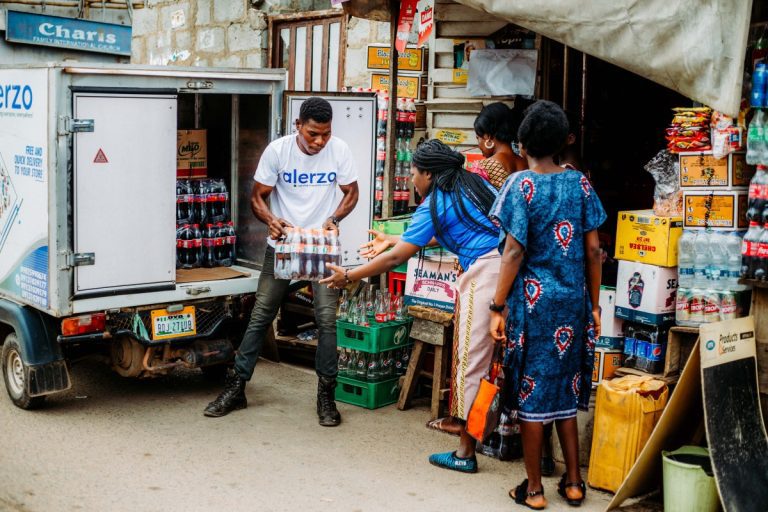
370,395
375,338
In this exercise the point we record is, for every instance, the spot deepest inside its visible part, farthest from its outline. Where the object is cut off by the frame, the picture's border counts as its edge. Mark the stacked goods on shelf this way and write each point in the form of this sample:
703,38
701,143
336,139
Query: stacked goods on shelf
646,246
689,130
374,348
205,235
305,254
404,129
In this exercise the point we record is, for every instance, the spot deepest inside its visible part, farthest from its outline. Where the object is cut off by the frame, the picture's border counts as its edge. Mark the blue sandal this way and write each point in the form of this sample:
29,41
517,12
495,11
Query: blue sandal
449,460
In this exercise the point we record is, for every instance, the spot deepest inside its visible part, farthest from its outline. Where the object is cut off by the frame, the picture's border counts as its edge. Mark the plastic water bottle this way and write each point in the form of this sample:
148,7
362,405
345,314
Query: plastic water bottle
700,260
685,258
717,261
756,139
733,264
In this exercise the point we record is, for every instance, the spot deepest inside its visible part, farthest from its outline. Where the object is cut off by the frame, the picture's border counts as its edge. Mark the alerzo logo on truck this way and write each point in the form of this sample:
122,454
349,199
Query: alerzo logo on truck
15,97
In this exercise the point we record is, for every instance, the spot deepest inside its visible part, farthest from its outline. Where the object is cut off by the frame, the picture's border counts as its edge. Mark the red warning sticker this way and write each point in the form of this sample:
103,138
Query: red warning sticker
100,158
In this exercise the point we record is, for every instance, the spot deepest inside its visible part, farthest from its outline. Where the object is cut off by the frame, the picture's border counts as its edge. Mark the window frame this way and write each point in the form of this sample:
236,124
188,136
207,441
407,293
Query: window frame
292,22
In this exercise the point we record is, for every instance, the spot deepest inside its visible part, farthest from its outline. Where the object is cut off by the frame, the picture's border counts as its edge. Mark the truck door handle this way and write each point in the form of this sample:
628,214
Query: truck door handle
198,291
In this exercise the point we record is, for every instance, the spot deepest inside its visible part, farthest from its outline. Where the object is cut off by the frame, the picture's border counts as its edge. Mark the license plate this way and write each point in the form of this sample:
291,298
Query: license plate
167,325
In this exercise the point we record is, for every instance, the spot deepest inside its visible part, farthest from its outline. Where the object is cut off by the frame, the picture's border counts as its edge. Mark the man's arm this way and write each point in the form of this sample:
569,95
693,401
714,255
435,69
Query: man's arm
348,202
260,209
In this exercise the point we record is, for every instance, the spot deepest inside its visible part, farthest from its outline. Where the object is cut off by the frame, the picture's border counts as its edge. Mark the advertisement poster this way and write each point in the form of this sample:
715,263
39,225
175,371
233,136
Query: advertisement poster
24,186
426,21
405,23
462,53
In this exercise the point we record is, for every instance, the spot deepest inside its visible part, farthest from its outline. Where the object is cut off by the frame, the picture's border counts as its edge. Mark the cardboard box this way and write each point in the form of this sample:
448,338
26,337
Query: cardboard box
701,169
646,293
432,281
191,154
606,363
611,326
722,210
647,238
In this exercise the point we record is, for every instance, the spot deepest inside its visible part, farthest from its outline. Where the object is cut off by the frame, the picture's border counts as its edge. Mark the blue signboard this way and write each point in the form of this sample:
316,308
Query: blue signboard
68,33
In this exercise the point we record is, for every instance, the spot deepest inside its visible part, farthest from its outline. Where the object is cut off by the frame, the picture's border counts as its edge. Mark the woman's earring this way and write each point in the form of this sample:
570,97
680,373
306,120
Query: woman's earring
487,145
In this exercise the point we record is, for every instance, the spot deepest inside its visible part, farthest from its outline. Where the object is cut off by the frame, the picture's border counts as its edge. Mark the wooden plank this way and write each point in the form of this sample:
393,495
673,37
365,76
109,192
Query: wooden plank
444,75
458,12
470,30
680,343
464,121
762,365
411,376
436,382
444,60
443,46
324,58
427,331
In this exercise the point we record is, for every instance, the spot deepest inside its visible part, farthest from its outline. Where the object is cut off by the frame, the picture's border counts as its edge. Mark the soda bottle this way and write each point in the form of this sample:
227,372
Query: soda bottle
758,193
711,306
683,306
179,247
334,249
378,196
209,246
361,366
201,202
697,306
411,109
374,368
749,248
343,307
756,150
401,117
405,358
343,362
226,255
757,97
184,202
294,238
685,257
352,364
761,260
728,305
381,115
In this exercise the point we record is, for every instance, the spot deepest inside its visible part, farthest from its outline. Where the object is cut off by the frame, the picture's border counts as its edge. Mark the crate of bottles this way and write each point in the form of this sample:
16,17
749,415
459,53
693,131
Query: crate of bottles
370,395
373,338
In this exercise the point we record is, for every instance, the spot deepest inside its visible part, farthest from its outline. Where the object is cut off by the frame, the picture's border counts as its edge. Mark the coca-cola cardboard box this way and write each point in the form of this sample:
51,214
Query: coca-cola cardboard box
646,293
431,281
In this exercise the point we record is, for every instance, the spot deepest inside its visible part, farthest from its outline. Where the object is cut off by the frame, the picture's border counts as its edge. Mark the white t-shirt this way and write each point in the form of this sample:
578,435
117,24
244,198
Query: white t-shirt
305,186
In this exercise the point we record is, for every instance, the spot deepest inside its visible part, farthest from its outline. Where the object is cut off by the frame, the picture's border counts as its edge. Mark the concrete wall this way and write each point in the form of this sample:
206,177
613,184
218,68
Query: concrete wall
361,33
221,33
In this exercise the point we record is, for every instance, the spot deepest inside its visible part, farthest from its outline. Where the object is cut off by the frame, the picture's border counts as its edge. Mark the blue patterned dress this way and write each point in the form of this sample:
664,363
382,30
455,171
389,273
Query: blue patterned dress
550,337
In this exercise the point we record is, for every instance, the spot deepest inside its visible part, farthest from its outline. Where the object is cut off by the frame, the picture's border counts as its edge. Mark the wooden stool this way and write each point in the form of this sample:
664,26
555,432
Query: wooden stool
431,327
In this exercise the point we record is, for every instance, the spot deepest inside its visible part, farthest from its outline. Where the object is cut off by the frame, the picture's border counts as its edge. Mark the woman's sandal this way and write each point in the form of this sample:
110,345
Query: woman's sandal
520,494
563,485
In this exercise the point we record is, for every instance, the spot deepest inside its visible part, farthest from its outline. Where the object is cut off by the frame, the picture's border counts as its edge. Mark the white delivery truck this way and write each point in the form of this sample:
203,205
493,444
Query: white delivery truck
88,175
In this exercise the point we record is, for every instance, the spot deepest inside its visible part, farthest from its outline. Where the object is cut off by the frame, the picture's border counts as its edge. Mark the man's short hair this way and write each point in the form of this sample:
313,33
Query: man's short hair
317,109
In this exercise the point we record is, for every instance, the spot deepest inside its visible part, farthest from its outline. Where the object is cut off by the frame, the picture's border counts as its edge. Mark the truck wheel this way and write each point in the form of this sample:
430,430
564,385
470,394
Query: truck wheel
14,372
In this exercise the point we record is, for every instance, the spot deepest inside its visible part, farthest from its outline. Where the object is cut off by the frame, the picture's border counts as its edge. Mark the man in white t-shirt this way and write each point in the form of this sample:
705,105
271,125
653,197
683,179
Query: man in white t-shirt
303,176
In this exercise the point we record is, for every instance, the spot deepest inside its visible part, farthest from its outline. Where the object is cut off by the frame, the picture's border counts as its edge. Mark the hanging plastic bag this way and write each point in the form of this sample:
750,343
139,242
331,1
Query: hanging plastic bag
667,196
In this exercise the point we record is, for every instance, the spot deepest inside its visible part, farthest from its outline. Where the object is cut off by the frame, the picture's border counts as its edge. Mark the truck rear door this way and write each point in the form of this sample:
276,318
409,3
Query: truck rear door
124,193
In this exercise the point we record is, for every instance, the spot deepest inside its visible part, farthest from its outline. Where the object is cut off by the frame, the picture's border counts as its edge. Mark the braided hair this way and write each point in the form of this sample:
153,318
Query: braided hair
449,177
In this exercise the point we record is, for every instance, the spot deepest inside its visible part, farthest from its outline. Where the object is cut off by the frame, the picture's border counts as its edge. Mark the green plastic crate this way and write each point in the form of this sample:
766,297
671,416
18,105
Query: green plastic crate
377,337
393,226
402,268
370,395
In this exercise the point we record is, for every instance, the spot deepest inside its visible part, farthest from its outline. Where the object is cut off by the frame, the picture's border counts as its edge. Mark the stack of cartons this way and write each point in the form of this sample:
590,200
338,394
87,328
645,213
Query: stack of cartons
646,245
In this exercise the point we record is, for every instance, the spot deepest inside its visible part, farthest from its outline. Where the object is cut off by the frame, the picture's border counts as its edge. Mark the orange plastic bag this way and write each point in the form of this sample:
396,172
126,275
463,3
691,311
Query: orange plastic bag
485,412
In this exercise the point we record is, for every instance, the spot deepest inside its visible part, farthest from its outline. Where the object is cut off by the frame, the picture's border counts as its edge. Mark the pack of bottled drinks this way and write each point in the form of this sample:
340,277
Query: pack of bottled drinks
304,254
205,235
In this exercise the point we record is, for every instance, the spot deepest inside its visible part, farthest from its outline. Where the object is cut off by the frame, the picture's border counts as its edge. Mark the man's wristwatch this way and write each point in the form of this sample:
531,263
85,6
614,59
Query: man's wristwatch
494,307
335,220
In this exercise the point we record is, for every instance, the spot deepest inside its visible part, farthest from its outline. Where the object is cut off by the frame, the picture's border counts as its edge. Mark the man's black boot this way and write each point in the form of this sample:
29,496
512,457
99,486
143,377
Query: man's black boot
326,406
231,399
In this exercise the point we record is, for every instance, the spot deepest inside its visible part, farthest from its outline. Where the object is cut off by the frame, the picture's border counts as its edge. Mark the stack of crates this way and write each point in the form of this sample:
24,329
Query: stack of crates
372,344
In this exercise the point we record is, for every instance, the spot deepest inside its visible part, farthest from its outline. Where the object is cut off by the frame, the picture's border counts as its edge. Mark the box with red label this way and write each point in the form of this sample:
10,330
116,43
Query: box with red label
607,361
191,154
646,293
431,281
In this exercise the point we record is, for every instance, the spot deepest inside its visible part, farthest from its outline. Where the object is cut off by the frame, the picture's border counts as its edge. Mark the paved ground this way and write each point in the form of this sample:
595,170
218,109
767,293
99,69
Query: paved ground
113,444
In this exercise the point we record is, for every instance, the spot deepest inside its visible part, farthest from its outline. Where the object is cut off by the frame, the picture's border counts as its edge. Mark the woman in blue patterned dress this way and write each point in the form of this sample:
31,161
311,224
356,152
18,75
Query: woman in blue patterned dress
550,279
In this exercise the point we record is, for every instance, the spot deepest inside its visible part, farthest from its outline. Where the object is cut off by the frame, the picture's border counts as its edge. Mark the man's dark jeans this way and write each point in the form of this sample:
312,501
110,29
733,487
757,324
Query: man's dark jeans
268,298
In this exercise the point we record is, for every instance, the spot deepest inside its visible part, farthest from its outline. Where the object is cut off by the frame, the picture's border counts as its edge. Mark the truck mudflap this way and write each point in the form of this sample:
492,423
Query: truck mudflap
48,378
36,334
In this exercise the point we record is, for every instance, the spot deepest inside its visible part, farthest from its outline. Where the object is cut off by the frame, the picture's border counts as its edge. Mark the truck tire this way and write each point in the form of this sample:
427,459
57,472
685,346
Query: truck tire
14,375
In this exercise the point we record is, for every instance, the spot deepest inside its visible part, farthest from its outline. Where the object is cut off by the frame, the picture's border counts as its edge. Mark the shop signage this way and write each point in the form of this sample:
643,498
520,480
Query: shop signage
407,86
412,59
451,137
68,33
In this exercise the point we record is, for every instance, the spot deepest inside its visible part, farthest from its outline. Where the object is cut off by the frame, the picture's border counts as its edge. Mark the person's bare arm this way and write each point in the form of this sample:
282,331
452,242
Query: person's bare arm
511,260
384,262
260,209
594,274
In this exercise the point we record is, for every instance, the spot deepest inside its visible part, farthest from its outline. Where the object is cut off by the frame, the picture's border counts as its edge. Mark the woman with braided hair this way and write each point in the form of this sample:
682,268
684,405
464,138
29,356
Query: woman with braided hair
454,214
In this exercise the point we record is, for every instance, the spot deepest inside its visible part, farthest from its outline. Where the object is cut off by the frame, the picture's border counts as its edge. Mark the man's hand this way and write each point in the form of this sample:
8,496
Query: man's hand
328,225
277,228
497,326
